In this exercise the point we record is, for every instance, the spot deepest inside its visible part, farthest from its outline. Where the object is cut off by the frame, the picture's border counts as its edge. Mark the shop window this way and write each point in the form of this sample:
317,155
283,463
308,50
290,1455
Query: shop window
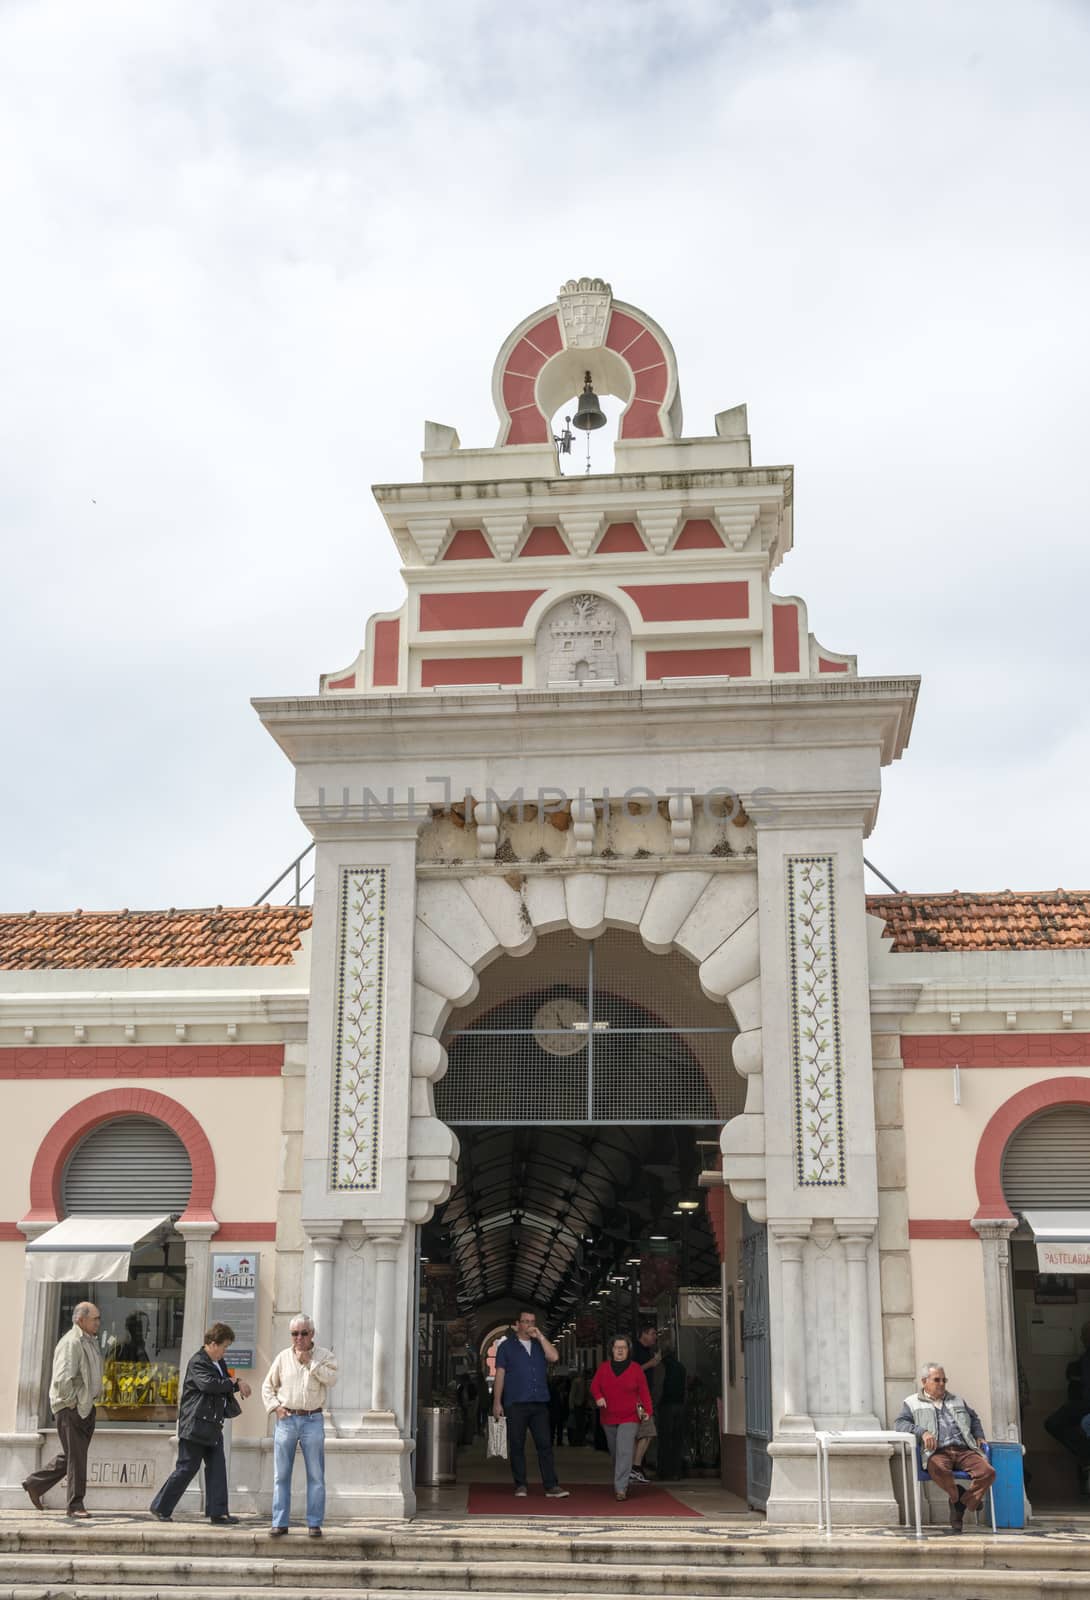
126,1183
141,1333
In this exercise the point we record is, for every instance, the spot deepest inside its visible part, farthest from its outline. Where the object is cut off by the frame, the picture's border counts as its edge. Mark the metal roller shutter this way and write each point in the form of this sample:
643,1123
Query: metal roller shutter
131,1167
1047,1162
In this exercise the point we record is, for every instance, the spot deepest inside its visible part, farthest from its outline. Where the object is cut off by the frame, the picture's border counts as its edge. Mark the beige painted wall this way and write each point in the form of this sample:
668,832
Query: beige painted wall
240,1118
948,1306
946,1187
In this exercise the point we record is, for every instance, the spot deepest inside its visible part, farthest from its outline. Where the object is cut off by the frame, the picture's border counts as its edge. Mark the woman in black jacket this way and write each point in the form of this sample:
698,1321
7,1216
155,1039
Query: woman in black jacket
208,1398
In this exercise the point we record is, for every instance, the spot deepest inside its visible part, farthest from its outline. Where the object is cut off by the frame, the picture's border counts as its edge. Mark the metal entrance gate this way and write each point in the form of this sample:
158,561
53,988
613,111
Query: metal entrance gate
758,1370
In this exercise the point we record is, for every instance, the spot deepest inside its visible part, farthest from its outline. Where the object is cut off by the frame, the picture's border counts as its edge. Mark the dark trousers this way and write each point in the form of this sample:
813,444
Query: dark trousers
191,1452
532,1415
670,1421
1065,1426
952,1458
74,1434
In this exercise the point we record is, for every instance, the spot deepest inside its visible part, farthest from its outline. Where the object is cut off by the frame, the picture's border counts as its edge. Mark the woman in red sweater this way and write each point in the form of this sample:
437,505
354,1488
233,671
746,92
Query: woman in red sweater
621,1394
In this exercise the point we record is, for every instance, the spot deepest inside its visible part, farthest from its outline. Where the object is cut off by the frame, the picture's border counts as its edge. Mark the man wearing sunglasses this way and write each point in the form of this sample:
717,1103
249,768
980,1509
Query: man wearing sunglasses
295,1390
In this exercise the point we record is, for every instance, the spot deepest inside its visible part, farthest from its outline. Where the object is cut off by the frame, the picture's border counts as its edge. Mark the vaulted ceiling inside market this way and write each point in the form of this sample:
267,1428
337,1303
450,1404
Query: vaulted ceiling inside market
546,1214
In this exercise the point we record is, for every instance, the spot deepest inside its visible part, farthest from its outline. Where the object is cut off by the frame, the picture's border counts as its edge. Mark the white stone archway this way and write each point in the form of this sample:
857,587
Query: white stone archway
464,923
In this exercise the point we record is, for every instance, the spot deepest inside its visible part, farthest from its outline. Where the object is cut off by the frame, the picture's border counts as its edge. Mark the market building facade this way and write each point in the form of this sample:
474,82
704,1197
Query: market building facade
590,980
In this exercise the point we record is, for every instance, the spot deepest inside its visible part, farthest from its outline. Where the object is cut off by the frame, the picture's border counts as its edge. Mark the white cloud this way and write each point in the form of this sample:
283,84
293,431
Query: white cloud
249,248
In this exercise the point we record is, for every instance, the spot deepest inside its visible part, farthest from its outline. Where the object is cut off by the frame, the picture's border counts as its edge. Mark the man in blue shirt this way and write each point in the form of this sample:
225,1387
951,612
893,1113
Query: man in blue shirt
521,1393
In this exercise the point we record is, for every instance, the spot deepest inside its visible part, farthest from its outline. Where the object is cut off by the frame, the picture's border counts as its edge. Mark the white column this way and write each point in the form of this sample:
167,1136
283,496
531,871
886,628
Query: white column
791,1236
198,1253
386,1252
995,1234
855,1237
41,1303
323,1239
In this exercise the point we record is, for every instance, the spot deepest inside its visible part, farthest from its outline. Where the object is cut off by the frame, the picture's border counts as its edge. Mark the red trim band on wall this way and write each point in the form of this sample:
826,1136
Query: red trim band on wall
941,1228
621,538
142,1061
468,544
698,663
470,669
387,641
81,1119
785,637
480,608
690,602
699,534
995,1049
226,1233
544,541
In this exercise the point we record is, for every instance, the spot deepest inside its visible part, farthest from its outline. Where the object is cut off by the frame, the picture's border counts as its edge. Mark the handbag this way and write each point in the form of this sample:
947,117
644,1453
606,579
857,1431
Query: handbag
497,1438
231,1408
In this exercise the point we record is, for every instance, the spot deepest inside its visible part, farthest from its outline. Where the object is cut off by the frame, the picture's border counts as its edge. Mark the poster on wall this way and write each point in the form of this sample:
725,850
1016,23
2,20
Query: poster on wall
234,1300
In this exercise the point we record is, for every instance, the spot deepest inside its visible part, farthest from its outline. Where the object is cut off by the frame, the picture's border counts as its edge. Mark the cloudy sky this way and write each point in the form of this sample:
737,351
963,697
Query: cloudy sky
249,247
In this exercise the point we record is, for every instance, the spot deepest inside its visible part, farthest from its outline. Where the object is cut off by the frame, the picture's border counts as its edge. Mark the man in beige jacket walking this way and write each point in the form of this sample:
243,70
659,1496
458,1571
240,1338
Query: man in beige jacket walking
75,1386
295,1389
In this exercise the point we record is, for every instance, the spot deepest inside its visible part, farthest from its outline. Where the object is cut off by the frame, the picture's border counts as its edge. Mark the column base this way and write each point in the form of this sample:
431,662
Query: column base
860,1484
20,1455
369,1475
125,1466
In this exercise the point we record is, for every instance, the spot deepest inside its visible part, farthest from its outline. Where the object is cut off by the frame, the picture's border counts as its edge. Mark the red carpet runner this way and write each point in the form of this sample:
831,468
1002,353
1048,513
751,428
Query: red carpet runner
586,1500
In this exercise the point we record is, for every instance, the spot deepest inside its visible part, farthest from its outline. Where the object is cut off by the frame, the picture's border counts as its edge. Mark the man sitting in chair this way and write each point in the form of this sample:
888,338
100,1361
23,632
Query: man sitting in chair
950,1436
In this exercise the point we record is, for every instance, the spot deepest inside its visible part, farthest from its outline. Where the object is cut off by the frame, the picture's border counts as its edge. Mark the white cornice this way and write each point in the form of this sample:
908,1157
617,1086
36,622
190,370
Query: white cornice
646,488
990,997
825,713
33,1007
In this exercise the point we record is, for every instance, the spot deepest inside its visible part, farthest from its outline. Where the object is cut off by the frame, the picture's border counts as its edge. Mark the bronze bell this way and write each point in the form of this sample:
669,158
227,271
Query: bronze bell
589,414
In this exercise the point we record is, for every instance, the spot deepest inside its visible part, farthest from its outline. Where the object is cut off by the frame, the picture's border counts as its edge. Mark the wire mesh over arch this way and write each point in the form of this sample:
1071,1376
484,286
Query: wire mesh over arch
590,1031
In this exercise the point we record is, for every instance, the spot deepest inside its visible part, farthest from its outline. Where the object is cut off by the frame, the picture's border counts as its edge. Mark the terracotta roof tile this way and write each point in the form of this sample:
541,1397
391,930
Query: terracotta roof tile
1058,919
232,936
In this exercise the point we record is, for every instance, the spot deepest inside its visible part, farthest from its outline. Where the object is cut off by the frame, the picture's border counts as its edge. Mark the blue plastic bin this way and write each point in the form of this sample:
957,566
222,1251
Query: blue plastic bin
1010,1503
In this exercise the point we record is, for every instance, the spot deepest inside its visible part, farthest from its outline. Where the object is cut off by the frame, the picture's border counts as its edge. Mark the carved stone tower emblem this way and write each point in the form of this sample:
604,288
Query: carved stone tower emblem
583,639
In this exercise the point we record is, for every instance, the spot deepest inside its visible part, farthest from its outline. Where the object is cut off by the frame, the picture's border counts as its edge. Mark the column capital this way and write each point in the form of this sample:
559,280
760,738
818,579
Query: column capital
386,1238
855,1234
352,818
197,1232
34,1230
791,1234
775,811
319,1233
994,1227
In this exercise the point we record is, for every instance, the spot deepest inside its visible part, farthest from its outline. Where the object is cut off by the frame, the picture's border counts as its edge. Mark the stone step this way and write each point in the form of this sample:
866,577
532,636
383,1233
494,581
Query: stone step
845,1585
145,1577
590,1556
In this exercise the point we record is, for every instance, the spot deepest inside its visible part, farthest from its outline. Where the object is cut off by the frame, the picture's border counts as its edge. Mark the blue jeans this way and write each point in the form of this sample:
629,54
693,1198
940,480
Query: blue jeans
309,1434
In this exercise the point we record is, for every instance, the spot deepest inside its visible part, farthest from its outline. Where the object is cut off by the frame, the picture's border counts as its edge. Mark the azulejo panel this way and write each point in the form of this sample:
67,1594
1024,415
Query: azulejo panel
816,1065
357,1049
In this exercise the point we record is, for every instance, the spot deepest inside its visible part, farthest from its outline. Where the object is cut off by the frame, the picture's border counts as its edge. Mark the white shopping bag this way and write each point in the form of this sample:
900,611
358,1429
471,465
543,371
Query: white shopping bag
497,1438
